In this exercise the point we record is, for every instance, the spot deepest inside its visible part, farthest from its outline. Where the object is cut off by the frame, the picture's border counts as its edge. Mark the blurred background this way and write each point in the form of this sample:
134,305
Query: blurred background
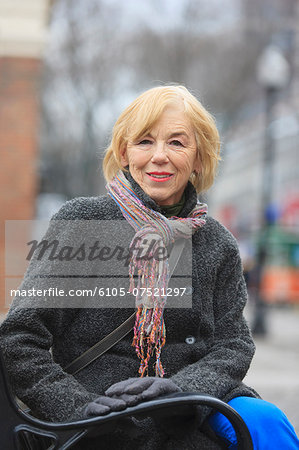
67,70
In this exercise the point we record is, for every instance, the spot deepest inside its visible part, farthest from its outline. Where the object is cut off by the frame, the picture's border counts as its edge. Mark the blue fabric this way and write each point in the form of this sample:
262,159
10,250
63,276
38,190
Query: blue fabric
269,427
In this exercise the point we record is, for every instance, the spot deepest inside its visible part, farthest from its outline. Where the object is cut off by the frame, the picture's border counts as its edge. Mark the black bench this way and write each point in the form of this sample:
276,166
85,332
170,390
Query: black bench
21,431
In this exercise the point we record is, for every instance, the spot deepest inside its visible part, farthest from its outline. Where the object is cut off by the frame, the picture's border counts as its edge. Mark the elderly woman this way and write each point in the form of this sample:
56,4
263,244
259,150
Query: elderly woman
164,151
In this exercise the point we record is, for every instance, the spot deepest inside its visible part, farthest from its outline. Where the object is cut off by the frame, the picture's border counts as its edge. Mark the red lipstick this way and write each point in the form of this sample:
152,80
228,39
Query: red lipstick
159,176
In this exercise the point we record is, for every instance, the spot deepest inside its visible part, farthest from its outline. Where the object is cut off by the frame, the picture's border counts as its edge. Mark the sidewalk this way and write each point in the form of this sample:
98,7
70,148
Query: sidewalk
274,372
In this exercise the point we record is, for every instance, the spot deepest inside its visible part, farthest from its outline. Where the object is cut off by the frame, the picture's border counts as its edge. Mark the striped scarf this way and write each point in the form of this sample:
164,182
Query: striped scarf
153,233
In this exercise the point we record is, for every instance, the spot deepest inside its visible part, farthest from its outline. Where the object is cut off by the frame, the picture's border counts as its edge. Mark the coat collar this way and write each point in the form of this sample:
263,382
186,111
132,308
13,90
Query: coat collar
190,197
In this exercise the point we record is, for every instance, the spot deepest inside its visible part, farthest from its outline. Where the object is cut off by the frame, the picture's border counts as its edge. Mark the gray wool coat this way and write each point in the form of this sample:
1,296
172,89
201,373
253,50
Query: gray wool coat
38,342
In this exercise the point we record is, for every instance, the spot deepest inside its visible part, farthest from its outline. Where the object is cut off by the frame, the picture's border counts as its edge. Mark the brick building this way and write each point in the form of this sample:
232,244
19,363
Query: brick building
22,37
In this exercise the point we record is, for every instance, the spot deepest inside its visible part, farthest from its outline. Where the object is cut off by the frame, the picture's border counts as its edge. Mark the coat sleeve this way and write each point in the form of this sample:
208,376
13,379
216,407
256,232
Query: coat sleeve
222,369
26,337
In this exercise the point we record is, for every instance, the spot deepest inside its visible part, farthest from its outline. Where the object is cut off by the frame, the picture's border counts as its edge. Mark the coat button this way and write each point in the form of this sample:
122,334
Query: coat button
189,290
190,340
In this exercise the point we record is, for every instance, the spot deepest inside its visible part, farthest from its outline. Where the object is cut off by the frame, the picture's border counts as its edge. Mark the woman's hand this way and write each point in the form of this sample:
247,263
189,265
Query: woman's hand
145,388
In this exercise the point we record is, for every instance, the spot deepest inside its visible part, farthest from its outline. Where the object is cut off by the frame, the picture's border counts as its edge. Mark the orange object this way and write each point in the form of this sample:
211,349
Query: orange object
281,285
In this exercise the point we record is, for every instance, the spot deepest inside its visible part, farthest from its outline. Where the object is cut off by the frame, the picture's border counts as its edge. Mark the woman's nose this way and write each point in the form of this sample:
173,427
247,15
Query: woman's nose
159,153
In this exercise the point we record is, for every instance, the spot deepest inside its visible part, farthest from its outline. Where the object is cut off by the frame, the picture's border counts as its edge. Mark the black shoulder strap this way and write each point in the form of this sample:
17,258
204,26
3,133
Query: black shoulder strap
120,332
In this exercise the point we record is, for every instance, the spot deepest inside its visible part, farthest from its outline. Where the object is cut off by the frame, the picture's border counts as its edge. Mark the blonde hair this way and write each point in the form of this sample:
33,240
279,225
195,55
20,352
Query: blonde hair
140,116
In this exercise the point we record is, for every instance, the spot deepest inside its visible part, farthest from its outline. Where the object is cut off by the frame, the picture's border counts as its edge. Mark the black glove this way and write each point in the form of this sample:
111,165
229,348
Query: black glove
130,400
103,405
145,388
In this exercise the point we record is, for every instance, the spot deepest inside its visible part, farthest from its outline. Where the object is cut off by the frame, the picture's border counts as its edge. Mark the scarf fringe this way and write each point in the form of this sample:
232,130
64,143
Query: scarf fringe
149,338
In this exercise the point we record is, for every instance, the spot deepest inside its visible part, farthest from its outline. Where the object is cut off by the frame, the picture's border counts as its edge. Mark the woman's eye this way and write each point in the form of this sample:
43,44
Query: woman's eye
176,143
145,142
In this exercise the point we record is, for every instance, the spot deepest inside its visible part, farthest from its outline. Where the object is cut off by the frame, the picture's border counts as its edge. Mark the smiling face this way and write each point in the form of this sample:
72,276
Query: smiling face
162,161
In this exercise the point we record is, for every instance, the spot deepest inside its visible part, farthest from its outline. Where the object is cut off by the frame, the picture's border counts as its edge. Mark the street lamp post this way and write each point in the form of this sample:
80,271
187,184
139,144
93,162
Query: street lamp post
273,74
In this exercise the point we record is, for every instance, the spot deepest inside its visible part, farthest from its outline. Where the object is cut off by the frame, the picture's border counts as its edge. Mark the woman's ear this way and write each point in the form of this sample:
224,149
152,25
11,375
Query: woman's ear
123,156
